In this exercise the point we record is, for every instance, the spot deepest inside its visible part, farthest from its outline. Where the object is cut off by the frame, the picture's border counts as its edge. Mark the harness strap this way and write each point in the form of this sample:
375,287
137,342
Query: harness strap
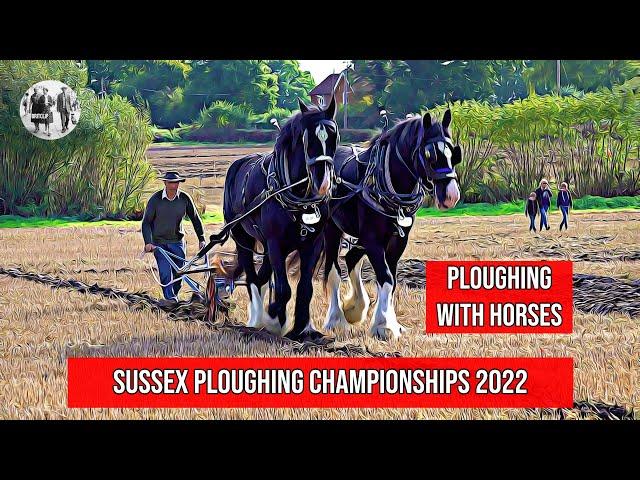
223,235
287,199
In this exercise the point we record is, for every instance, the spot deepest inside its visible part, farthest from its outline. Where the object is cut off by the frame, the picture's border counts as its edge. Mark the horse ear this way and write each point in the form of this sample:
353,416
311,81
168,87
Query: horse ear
456,155
330,112
426,121
303,106
446,120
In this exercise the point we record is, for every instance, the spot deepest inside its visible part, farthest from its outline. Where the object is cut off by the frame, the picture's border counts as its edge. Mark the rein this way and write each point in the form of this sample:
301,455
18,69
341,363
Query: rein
223,235
277,174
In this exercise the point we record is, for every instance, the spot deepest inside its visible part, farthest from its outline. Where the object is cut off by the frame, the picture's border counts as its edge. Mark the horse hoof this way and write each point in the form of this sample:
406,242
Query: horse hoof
387,332
271,325
336,321
309,335
313,335
355,311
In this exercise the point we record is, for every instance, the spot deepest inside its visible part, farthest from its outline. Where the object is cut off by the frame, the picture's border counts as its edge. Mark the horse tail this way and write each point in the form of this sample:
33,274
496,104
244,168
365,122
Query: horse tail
293,265
318,270
227,207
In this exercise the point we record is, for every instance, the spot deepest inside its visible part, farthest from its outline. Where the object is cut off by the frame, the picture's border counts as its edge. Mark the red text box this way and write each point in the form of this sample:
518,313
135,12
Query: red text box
369,382
464,297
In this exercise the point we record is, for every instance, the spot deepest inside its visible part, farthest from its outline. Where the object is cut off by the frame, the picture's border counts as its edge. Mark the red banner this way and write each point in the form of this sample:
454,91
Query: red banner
499,297
320,382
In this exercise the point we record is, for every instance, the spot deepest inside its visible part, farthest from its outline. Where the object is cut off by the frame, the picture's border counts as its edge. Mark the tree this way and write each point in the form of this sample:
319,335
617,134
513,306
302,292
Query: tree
239,81
293,83
585,75
157,84
404,86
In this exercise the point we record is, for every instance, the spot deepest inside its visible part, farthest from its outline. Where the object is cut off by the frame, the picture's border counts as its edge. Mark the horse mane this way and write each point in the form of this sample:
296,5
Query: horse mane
290,131
412,126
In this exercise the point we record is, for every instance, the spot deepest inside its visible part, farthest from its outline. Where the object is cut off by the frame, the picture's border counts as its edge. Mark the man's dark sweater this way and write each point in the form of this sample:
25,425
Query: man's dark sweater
162,221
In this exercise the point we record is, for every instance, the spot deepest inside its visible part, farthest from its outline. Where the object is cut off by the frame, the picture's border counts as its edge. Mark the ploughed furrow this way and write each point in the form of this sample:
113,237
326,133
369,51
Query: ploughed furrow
195,312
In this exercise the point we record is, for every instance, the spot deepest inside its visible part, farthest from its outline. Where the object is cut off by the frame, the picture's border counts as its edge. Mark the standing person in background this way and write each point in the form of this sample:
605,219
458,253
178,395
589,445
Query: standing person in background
564,203
64,107
25,103
543,197
36,108
47,103
531,210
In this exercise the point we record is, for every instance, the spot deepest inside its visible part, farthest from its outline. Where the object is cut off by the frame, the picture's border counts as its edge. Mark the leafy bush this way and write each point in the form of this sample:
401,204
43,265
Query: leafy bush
224,114
592,202
99,168
591,141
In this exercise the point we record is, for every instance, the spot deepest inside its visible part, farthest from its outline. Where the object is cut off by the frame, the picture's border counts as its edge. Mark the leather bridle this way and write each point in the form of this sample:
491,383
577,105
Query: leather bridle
422,160
278,172
322,135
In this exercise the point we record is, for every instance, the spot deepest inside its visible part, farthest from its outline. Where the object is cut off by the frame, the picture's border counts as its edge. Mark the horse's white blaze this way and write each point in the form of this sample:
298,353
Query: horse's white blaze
384,321
356,303
453,194
446,151
335,316
322,135
326,181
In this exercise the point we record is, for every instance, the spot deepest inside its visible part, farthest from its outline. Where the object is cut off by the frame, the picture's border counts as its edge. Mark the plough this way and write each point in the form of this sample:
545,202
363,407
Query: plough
216,288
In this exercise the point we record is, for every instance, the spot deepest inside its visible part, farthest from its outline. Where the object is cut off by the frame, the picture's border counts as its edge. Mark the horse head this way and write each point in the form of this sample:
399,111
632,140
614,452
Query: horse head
436,158
313,138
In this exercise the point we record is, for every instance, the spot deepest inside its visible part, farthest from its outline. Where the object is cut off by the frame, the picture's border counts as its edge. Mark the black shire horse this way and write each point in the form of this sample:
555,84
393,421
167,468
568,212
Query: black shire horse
378,192
292,220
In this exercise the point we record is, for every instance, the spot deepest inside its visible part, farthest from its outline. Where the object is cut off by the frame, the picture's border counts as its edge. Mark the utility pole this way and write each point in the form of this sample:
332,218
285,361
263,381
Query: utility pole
345,92
558,76
344,96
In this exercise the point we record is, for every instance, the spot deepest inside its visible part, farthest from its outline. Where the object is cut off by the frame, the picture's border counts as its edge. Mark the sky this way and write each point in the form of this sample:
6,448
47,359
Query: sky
321,68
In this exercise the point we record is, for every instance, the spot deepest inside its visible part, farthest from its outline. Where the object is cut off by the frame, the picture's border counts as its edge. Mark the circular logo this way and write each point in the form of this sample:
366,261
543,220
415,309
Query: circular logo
50,110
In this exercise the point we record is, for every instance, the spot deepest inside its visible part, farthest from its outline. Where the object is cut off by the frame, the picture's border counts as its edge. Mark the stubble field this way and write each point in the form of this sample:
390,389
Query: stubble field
41,326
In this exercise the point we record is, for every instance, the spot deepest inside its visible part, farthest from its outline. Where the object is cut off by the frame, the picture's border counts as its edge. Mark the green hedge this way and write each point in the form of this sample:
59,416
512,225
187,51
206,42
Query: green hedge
517,207
592,142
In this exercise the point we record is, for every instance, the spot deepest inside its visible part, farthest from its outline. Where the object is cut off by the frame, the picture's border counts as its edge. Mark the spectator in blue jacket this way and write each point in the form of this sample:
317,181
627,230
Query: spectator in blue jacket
543,197
564,203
